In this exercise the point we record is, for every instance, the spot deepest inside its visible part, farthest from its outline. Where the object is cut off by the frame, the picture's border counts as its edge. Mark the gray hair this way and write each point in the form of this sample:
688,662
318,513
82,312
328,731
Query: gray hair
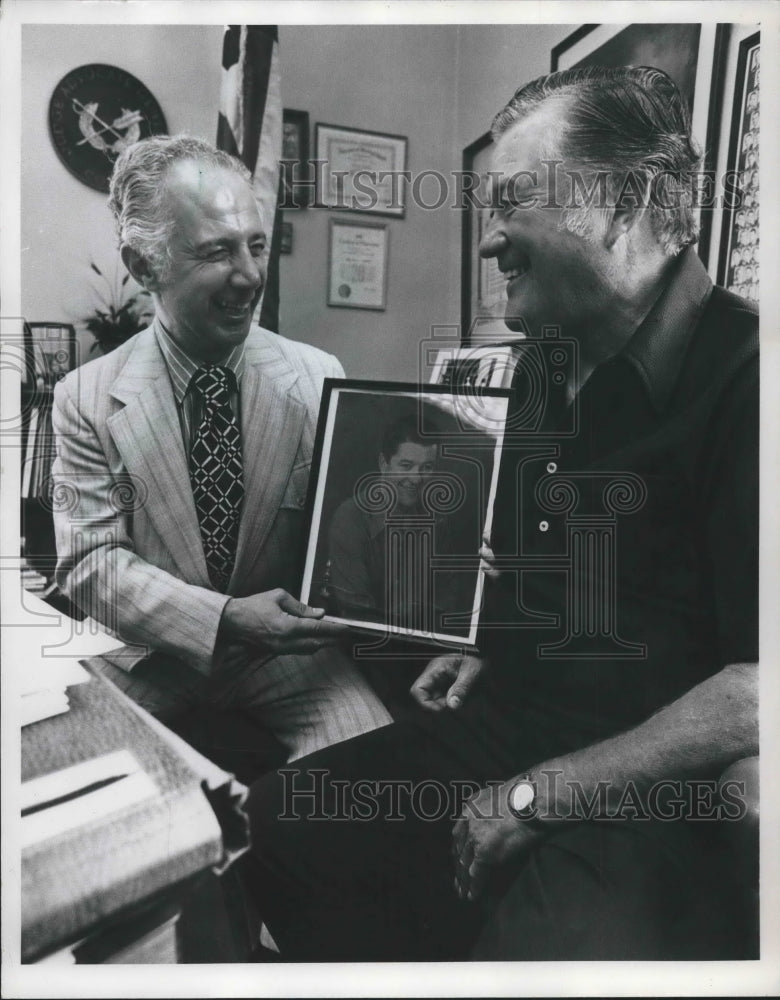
630,124
138,186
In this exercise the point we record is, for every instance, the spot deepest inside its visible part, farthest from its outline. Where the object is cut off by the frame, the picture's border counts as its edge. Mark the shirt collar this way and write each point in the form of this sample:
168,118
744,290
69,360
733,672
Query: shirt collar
657,349
181,366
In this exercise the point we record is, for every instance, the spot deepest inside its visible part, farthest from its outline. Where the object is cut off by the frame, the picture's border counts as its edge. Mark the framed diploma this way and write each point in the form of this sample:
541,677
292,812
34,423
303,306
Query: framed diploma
357,264
360,171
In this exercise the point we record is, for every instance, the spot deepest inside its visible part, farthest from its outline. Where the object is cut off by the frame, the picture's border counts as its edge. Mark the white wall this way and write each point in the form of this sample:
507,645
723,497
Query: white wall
493,61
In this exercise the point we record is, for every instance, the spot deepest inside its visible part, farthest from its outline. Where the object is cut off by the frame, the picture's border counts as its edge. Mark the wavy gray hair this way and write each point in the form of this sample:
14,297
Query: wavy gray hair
630,124
137,192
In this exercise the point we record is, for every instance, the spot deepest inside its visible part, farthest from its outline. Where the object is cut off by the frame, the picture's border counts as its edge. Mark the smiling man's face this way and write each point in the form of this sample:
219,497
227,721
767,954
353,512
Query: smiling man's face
217,260
409,469
553,276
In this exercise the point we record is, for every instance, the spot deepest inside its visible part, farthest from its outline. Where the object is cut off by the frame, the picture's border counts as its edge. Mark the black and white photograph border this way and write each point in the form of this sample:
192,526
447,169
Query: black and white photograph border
382,541
761,977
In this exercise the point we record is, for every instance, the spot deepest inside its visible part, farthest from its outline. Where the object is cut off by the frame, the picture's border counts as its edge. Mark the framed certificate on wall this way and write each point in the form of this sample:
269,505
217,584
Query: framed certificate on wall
357,264
360,171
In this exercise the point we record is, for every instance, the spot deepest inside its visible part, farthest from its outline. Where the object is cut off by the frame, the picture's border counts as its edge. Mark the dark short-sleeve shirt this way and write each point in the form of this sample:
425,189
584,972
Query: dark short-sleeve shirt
382,570
630,522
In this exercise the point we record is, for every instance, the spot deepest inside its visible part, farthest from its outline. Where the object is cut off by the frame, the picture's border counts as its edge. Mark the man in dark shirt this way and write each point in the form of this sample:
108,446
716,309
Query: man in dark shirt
618,674
381,560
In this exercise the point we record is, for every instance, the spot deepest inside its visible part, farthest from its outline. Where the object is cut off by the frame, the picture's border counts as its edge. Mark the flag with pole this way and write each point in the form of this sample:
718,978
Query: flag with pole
250,127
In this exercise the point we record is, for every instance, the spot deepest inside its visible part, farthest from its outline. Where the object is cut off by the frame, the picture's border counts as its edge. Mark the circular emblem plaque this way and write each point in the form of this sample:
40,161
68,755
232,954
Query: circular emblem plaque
95,112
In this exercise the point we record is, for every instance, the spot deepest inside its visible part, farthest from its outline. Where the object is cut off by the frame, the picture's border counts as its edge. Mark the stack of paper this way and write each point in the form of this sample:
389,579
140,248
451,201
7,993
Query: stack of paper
44,687
44,649
33,581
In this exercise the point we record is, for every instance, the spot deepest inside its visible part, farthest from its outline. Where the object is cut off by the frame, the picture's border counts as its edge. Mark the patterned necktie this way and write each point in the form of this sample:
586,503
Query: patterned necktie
216,473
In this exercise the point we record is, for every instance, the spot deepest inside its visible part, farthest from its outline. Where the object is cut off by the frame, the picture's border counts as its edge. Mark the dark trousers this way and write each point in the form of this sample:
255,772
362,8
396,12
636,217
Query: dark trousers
351,858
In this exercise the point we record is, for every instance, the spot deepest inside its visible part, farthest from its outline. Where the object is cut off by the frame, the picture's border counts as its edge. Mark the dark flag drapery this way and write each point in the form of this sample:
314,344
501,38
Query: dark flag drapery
250,127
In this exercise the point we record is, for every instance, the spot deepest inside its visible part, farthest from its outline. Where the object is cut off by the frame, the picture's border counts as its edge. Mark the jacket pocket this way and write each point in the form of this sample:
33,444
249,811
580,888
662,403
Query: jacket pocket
295,492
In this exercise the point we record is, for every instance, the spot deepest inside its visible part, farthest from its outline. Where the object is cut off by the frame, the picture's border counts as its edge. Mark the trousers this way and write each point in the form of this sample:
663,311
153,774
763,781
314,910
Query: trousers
304,703
351,858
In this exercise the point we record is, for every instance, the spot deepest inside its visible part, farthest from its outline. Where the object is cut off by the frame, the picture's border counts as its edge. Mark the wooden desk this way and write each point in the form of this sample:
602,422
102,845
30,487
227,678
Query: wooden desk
108,890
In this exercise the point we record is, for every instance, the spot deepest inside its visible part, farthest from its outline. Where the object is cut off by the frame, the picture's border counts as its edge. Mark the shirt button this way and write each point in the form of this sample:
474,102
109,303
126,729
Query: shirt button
543,526
552,467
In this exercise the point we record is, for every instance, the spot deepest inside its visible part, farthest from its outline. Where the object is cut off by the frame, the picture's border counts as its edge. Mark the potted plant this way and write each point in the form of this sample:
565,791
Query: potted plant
119,317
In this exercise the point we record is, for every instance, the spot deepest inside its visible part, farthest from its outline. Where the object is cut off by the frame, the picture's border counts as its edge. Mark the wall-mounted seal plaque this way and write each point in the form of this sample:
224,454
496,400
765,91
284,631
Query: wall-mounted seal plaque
95,112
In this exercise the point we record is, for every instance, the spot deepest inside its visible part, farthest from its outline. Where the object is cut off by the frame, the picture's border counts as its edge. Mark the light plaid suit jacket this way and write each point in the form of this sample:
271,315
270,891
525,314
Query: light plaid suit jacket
128,540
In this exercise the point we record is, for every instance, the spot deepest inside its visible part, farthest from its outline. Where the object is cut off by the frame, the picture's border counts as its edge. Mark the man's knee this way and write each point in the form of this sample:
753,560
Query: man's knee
599,892
161,685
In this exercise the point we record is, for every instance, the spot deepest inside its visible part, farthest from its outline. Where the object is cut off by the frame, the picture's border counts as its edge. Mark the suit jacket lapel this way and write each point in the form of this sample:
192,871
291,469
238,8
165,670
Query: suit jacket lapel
148,436
272,421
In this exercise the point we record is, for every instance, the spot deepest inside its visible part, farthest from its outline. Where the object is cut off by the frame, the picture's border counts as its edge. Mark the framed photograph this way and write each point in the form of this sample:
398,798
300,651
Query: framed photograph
286,237
474,367
674,48
483,287
738,261
402,489
359,170
54,344
692,54
357,264
295,165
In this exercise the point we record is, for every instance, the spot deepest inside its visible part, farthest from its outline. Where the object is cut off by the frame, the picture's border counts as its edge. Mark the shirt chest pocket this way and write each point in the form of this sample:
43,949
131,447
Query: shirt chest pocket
668,521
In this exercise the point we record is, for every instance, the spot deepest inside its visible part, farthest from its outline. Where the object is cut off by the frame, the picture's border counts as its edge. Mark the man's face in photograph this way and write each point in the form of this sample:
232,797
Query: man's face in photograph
409,469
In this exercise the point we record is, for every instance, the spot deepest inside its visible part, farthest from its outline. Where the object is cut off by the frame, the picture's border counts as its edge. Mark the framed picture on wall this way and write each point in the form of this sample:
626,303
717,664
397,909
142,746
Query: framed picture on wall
674,48
55,344
360,171
474,367
402,490
286,237
692,54
738,263
295,165
357,264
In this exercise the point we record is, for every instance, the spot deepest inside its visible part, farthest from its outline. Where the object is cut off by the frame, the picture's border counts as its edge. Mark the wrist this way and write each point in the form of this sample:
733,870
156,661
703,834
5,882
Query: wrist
231,624
523,801
531,798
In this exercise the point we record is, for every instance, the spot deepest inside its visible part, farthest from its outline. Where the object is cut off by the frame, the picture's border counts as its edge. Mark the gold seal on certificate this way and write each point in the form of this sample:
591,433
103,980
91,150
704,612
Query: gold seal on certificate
357,272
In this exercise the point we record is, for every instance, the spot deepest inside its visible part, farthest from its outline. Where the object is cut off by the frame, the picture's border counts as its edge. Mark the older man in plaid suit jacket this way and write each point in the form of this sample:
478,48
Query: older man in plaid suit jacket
135,549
